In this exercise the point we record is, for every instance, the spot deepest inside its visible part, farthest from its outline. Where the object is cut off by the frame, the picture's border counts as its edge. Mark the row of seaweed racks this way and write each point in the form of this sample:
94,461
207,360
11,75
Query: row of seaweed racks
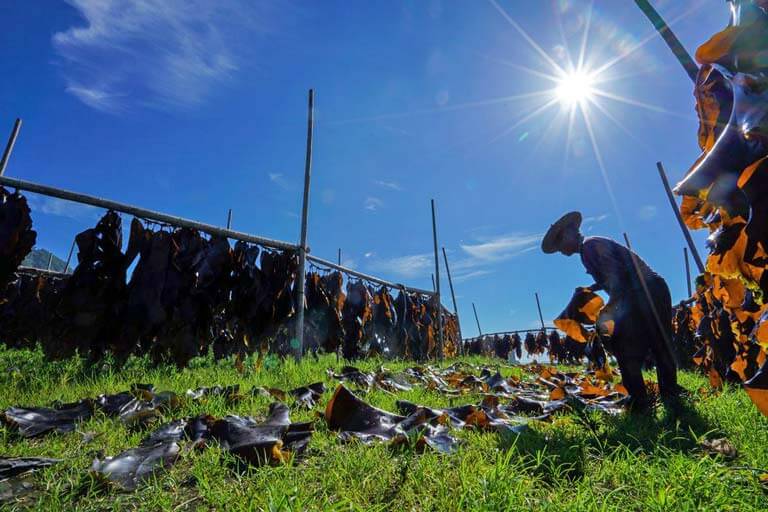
209,229
302,249
181,222
505,333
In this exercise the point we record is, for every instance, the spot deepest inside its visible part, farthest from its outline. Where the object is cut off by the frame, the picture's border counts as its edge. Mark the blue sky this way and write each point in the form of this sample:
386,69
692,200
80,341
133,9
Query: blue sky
196,106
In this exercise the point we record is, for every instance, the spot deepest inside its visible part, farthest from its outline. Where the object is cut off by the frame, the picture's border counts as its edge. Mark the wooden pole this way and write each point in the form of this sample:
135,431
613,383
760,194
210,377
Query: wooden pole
538,306
479,330
679,217
9,146
229,219
453,297
143,213
298,342
687,272
69,257
164,218
437,288
670,38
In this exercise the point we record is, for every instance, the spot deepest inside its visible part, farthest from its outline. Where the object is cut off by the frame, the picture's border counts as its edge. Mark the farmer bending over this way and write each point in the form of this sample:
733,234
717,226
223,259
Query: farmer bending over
640,325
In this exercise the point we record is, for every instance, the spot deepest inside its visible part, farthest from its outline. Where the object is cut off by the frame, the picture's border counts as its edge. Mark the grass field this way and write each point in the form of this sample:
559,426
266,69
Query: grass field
574,463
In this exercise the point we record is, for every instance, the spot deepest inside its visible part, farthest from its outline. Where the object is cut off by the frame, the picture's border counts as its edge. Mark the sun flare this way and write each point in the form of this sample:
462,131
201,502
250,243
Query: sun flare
575,88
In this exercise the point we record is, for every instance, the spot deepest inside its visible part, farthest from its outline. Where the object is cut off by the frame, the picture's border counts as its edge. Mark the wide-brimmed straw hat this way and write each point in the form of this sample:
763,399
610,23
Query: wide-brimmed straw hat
552,239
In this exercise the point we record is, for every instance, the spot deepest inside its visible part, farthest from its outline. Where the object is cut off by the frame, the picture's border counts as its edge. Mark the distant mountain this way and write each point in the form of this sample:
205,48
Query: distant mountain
38,258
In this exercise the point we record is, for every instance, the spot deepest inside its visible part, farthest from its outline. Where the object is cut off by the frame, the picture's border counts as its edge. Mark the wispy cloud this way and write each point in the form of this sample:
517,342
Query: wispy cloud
589,223
99,99
391,185
407,267
478,261
372,204
279,179
61,208
647,212
482,257
502,247
462,277
595,218
160,53
328,196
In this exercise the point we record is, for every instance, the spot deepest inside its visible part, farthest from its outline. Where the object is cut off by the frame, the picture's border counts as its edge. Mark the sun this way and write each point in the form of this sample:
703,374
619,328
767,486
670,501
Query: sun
576,88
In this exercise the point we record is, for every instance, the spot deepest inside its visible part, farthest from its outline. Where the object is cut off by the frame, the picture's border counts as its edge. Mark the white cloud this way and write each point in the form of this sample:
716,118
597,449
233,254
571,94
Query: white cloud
481,257
157,53
369,254
408,267
391,185
479,262
99,99
372,203
62,208
503,247
279,179
647,212
328,196
596,218
462,277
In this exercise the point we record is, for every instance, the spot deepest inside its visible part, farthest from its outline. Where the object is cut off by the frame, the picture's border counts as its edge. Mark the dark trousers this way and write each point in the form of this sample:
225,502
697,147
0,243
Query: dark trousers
638,331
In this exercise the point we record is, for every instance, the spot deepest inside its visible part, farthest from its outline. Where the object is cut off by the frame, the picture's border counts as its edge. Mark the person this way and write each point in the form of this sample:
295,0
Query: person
640,305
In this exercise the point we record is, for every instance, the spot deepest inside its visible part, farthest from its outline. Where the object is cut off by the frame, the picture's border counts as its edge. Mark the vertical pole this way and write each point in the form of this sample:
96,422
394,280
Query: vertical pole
298,343
437,288
687,272
338,348
229,219
9,146
433,283
69,257
679,217
453,298
479,330
50,261
538,306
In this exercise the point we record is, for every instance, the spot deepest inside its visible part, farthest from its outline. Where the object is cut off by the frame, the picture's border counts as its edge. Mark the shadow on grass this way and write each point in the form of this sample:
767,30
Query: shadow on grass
560,450
678,427
29,369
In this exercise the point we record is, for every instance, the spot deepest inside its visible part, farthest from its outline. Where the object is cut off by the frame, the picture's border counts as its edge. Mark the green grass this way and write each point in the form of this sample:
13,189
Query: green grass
574,463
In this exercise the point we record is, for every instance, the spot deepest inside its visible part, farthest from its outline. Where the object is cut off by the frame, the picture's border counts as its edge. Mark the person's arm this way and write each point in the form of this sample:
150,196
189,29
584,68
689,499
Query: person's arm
595,287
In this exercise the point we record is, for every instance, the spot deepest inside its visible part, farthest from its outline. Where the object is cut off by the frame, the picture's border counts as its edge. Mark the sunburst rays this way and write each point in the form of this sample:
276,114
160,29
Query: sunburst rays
581,88
575,87
584,82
